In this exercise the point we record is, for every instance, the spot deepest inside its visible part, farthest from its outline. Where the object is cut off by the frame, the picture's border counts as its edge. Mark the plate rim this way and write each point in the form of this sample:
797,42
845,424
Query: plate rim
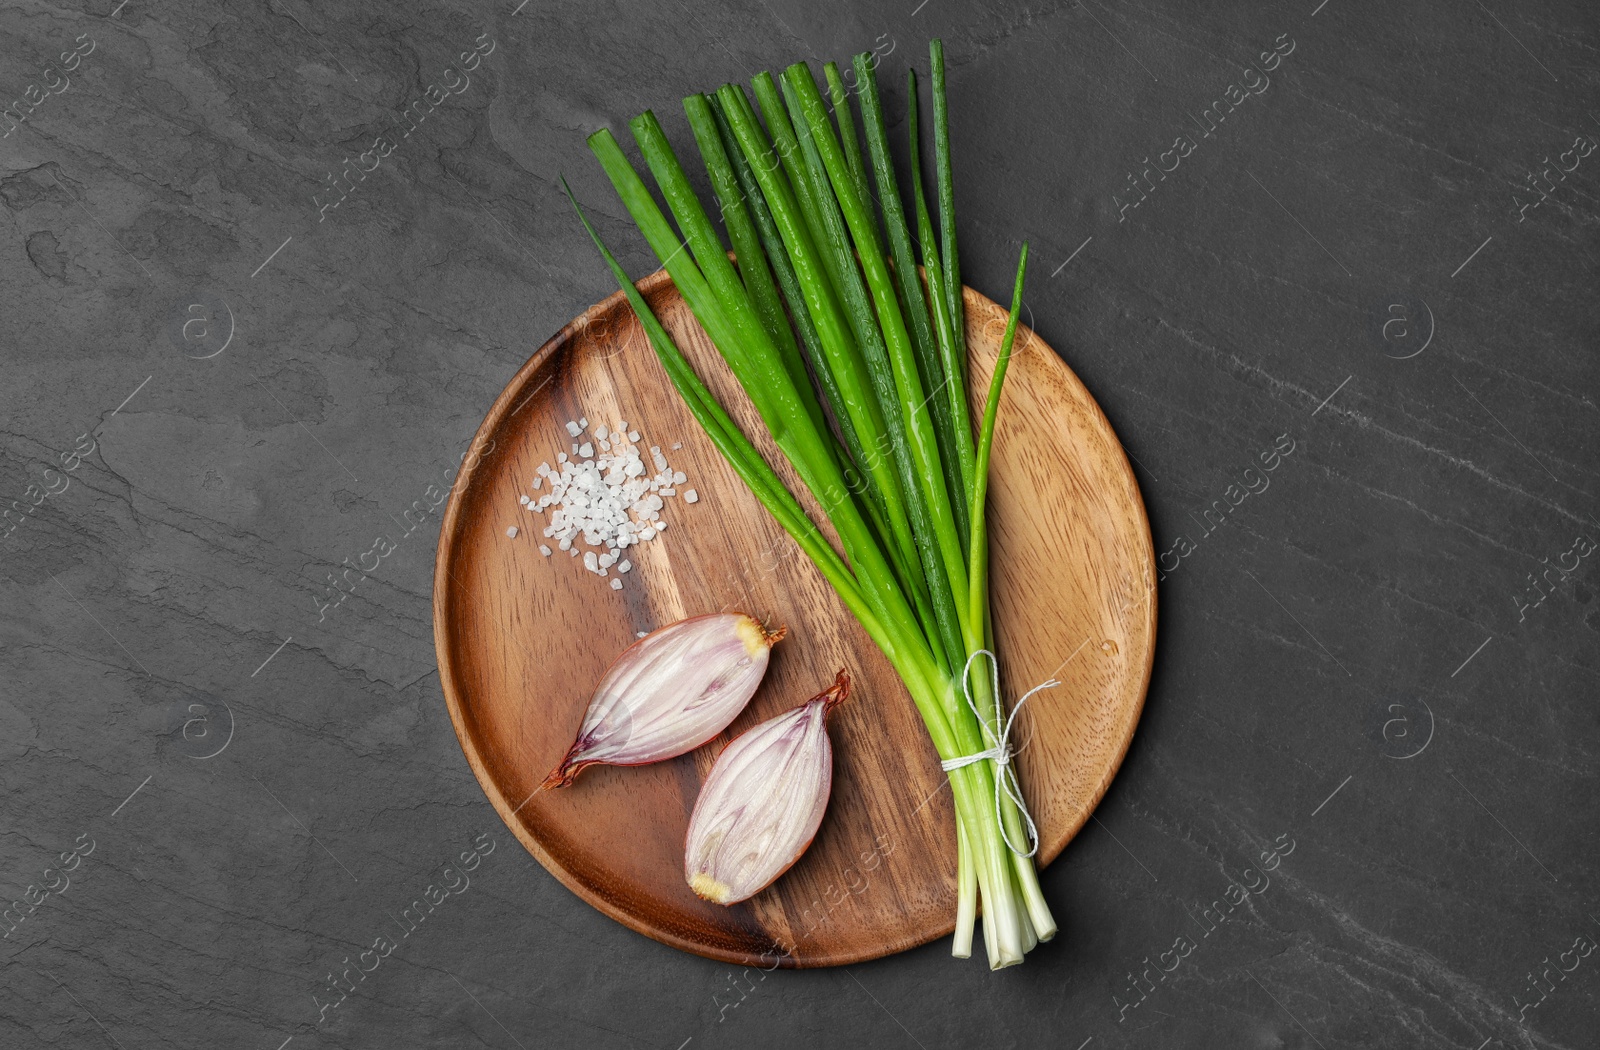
445,556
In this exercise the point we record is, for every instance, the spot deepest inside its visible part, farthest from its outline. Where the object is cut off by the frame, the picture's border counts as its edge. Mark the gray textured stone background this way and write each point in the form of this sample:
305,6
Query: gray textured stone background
1354,661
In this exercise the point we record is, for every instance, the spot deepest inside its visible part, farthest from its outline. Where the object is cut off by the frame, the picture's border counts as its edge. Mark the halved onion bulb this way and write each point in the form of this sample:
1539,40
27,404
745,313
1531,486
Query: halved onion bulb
761,806
670,692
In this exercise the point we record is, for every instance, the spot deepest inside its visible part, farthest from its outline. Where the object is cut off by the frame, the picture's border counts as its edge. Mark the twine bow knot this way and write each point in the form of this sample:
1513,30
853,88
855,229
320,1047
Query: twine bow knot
1000,751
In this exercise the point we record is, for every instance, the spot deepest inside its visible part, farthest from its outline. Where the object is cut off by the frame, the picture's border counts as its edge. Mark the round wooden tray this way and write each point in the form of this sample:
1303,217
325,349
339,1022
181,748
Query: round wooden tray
522,639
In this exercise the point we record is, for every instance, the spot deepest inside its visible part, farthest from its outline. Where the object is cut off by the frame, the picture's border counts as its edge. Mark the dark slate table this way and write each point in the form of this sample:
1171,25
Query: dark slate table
1361,233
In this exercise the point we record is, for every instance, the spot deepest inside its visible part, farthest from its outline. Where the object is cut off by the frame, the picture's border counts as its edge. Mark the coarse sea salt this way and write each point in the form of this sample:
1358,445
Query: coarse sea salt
605,500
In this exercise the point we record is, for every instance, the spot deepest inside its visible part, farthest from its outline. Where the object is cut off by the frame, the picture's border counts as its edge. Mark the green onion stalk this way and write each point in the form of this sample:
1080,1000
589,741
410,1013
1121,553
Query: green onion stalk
856,363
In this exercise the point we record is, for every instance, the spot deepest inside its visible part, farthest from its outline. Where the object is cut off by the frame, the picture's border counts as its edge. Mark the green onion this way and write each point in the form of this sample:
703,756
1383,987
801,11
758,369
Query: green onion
912,300
947,206
840,97
952,354
868,403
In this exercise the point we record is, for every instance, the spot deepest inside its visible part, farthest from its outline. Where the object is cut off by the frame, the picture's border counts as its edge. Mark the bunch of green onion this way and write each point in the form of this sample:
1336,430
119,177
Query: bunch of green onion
858,369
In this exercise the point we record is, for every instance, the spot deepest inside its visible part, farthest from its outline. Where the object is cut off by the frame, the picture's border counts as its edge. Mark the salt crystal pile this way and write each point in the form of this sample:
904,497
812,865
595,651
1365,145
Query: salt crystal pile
605,496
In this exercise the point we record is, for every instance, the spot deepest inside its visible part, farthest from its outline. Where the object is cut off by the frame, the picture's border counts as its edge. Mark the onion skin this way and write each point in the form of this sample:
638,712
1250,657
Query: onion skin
670,692
763,801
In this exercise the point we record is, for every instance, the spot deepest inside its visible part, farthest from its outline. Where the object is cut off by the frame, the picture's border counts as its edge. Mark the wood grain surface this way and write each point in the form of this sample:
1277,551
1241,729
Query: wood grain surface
522,639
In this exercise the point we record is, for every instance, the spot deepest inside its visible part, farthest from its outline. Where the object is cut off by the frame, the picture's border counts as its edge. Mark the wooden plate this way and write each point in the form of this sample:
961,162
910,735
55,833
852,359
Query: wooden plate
522,640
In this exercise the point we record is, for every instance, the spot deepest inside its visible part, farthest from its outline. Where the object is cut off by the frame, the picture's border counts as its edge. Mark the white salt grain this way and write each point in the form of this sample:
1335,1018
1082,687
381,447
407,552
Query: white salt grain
691,496
608,499
616,585
511,531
